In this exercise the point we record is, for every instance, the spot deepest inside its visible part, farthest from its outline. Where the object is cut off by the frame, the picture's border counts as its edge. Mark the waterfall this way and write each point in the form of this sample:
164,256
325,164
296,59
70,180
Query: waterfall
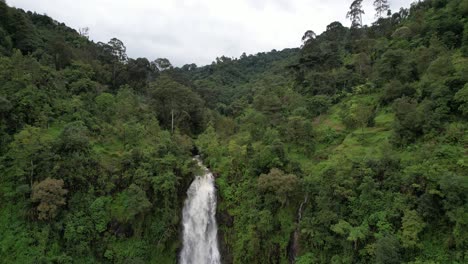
200,243
294,242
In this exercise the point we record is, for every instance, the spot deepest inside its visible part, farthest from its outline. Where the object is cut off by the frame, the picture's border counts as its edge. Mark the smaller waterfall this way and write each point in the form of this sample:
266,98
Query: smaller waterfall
200,242
294,242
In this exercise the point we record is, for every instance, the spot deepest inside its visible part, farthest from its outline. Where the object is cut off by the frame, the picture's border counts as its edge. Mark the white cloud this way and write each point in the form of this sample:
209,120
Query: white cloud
186,31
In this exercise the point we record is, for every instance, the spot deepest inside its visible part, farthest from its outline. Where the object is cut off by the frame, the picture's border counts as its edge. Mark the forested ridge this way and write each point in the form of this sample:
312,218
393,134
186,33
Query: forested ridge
349,149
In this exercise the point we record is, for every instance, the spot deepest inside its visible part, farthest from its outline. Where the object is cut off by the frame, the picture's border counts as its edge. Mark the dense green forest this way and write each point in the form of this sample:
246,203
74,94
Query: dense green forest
349,149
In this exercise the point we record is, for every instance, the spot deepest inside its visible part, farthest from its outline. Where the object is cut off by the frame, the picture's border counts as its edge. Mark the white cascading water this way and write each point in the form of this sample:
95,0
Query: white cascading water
200,241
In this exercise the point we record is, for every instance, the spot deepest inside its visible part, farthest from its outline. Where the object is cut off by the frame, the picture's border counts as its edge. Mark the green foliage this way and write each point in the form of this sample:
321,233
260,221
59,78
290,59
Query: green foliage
100,213
129,204
281,185
358,114
306,259
387,250
299,132
350,149
409,120
394,90
461,97
177,105
74,138
29,150
412,225
318,104
402,33
49,193
377,188
395,64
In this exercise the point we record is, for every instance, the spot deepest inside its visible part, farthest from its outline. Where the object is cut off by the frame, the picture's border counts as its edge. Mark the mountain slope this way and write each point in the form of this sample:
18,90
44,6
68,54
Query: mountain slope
349,149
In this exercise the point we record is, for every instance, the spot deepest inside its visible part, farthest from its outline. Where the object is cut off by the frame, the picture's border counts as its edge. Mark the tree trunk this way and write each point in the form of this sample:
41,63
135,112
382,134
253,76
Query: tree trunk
32,173
172,121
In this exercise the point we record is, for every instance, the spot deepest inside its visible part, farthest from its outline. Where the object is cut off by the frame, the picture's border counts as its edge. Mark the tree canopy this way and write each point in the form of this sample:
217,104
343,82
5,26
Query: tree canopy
348,149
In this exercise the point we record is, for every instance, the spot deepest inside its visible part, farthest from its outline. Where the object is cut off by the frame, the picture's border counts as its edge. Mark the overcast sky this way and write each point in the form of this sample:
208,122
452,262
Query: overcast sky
198,31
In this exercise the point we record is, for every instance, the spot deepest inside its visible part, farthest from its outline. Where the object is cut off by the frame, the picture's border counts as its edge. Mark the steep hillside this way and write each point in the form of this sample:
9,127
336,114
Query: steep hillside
349,149
356,153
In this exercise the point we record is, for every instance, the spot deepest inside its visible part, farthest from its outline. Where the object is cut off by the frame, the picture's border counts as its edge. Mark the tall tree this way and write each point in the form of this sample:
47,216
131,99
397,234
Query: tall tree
3,13
139,72
84,32
27,150
118,51
25,36
62,54
282,185
308,35
381,7
51,196
355,13
161,64
176,105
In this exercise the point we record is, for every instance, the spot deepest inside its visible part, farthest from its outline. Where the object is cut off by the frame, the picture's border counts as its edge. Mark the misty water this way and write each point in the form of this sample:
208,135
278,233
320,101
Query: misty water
200,242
